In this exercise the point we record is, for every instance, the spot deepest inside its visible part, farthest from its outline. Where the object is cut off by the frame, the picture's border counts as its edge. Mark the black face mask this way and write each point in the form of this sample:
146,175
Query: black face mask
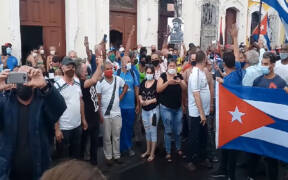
193,63
24,92
70,73
155,63
142,63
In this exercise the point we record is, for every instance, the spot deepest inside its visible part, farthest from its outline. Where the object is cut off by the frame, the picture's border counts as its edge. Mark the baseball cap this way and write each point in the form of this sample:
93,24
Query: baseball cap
67,61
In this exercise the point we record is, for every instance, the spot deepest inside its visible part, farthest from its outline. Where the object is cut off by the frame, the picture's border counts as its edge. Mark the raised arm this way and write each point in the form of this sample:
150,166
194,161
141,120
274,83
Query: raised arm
94,79
128,44
234,34
86,44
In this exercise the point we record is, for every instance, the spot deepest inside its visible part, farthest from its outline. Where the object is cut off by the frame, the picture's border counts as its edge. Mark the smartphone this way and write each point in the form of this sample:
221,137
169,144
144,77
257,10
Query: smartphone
3,49
86,38
105,38
17,78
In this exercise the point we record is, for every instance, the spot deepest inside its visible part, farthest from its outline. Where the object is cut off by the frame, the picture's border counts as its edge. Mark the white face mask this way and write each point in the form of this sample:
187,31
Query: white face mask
128,66
52,52
34,54
149,77
42,51
172,71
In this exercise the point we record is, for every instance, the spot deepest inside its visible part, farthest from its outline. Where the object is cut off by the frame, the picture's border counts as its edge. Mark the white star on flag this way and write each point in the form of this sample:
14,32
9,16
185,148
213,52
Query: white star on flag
236,115
262,27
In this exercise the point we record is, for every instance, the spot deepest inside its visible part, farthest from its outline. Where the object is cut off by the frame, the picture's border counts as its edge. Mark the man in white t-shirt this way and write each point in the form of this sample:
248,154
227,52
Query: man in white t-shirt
281,67
198,109
109,99
68,129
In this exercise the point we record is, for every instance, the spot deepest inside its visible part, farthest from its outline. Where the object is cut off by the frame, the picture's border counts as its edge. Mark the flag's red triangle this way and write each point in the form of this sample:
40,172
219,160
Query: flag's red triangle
263,26
252,118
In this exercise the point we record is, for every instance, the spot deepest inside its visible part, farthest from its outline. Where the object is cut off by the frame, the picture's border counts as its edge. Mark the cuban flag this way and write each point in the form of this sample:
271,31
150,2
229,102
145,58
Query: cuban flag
252,119
263,31
281,6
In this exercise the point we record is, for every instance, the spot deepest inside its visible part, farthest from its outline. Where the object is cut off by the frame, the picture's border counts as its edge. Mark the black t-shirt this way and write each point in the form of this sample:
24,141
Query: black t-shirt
171,97
277,82
22,165
90,104
149,93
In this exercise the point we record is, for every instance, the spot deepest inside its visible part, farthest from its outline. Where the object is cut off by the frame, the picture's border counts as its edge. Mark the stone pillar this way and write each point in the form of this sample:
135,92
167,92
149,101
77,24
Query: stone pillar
10,26
71,20
102,14
191,14
147,22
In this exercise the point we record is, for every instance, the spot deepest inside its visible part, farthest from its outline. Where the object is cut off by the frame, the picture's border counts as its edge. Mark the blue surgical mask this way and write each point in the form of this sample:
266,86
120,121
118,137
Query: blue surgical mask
265,70
283,56
9,50
128,66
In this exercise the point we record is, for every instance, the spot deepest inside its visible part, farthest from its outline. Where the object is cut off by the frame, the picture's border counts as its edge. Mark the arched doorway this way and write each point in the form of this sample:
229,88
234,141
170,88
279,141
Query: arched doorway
116,38
231,14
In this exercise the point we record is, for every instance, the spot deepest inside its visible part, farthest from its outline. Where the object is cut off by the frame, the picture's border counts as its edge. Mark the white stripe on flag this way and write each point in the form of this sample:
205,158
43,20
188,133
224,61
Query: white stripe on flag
270,135
276,110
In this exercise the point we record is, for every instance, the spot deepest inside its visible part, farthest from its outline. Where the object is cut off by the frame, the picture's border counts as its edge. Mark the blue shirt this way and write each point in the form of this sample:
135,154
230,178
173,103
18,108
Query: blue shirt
235,77
128,101
12,62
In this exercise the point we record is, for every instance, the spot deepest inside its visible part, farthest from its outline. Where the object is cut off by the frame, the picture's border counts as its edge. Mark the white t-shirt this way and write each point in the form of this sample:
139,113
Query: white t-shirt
71,118
198,83
281,70
104,88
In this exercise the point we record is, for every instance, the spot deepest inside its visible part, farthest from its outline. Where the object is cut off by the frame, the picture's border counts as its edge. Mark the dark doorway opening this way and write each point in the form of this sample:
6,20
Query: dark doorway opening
116,38
231,14
31,38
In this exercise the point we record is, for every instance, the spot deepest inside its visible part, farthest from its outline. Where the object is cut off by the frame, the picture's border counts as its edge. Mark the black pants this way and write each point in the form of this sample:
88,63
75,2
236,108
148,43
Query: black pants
272,166
197,140
228,162
70,146
93,133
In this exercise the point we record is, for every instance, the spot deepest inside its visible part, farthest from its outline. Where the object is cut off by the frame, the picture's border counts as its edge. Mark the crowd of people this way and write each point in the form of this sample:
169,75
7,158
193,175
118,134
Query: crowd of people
170,93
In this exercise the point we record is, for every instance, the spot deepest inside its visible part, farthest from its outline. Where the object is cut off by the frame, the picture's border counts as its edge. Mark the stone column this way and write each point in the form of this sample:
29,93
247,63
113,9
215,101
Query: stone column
102,14
147,22
10,26
71,20
191,14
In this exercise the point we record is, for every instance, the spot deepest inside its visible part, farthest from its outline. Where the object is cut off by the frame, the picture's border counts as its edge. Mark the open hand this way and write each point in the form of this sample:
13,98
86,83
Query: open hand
3,77
36,79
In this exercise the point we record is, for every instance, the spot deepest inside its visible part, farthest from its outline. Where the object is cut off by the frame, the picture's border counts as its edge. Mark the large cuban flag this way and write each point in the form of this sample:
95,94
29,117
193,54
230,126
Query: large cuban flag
253,120
281,6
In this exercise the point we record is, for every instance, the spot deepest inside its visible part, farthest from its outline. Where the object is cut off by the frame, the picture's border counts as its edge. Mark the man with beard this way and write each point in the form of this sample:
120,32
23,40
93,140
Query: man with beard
68,129
26,128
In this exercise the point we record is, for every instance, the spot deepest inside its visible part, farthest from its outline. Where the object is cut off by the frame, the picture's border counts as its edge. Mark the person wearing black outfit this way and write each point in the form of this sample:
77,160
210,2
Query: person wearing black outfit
88,87
148,97
170,87
27,117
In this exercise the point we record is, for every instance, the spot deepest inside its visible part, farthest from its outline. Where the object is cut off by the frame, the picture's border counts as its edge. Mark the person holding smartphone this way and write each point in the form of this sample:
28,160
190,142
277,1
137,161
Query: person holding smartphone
148,97
170,87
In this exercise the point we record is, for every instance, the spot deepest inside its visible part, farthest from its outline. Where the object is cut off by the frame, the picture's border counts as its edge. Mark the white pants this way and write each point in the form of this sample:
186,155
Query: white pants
112,127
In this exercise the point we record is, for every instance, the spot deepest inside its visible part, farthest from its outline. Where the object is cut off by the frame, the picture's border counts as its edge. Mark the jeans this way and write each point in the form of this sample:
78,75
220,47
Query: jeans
197,140
70,145
150,130
172,120
112,127
128,118
93,134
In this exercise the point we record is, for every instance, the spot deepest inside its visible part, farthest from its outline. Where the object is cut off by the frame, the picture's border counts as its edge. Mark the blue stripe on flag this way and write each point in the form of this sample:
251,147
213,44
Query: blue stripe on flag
279,124
258,147
277,96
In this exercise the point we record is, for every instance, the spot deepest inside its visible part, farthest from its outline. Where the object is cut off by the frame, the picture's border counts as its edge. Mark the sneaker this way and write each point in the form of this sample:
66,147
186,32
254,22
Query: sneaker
119,161
206,163
109,162
218,174
131,153
190,166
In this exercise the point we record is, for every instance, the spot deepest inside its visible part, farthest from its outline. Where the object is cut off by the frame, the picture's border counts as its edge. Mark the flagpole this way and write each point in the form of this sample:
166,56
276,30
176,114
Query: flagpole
259,26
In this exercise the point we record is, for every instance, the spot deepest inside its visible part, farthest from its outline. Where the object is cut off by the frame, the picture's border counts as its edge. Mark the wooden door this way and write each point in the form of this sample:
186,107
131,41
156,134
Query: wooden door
50,14
230,19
